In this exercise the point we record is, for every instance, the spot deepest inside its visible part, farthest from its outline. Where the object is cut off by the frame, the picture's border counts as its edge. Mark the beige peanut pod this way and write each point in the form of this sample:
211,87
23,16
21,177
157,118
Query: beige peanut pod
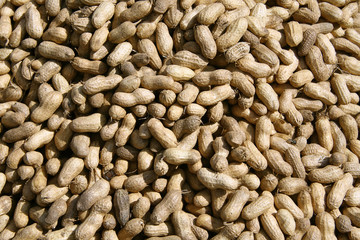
148,47
305,203
327,174
183,225
349,64
21,214
99,190
165,136
164,41
286,221
262,133
256,159
215,95
51,193
137,11
53,7
255,69
257,207
338,83
47,107
206,41
119,54
91,123
271,226
138,96
283,201
121,33
326,224
138,182
177,156
31,232
188,59
315,91
327,49
131,229
100,83
213,180
71,168
87,66
39,139
232,209
323,129
54,51
237,51
291,186
314,60
338,191
34,25
102,13
210,14
166,207
25,130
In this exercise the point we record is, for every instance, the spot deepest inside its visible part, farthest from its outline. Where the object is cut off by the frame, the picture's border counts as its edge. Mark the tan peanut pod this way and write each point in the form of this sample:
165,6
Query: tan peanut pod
210,13
54,51
305,203
237,51
255,69
39,139
9,231
99,83
291,186
138,96
283,201
352,197
230,231
268,96
137,11
56,210
216,77
47,107
179,73
315,91
348,64
205,40
327,49
286,221
164,41
58,35
262,133
148,47
338,137
323,129
188,94
271,226
25,130
93,222
215,95
343,224
338,191
119,54
160,82
63,136
31,232
166,207
33,22
99,190
99,38
163,229
232,209
21,214
178,156
209,223
326,224
122,206
256,160
91,123
182,224
314,60
308,41
50,194
187,59
342,44
353,214
102,13
318,197
338,83
86,66
257,207
327,174
138,182
246,235
349,127
330,12
293,33
165,136
123,32
71,168
312,233
47,71
214,180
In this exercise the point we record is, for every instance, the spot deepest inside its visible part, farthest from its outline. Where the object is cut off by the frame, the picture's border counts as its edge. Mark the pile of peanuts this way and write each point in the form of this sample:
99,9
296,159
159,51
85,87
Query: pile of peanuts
189,119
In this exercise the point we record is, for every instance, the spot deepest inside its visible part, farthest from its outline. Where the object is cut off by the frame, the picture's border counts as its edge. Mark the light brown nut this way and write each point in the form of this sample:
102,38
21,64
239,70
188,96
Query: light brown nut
206,41
215,95
187,59
34,26
166,207
257,207
98,191
213,180
138,96
91,123
232,209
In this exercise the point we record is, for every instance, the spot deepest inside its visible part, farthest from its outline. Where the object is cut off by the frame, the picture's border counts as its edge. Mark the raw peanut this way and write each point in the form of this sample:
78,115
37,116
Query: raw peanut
179,73
87,66
256,159
216,77
31,232
99,84
326,225
237,51
137,11
51,193
160,82
257,207
164,41
271,226
210,13
47,107
315,91
205,40
327,49
99,190
309,39
138,96
217,94
165,136
338,83
148,47
138,182
209,223
327,174
187,59
131,229
182,224
177,156
230,231
214,180
91,123
338,191
283,201
257,26
119,54
122,206
47,71
314,60
39,139
54,51
219,161
71,168
166,207
286,221
348,64
323,129
291,186
102,13
231,211
33,22
249,65
24,131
